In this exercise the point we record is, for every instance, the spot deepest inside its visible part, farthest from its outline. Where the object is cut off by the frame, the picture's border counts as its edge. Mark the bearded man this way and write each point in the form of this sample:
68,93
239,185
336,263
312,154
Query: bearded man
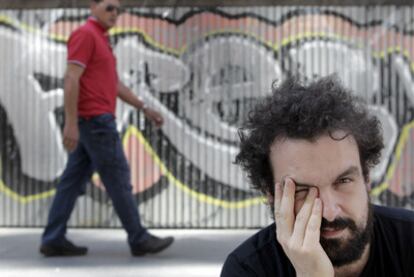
310,150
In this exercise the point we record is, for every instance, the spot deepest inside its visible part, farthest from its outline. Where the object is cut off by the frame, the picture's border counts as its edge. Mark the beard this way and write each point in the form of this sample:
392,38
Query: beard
346,251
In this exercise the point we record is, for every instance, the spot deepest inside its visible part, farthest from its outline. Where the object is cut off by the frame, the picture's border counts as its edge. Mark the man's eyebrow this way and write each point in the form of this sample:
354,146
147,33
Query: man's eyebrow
352,170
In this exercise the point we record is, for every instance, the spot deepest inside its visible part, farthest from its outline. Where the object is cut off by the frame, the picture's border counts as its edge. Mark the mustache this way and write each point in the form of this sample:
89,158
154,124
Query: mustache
338,223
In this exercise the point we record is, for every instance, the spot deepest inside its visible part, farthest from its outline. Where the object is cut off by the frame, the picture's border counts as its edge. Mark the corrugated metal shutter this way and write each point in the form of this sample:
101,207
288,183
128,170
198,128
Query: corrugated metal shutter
203,69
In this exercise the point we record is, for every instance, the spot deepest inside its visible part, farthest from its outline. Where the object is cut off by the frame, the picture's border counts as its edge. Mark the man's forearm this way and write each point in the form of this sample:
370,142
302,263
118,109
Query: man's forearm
129,97
71,88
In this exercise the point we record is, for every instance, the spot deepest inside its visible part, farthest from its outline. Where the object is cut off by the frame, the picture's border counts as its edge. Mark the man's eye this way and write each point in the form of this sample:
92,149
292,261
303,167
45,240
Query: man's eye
344,181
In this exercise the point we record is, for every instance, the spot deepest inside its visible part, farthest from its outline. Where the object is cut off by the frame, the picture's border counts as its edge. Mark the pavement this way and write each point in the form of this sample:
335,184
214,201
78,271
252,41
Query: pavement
194,253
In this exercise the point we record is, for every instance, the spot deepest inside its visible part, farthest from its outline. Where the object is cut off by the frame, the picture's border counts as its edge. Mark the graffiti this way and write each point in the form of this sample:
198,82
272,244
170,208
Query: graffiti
203,71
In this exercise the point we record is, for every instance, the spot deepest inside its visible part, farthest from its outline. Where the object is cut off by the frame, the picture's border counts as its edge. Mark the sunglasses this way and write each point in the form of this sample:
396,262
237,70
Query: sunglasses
111,8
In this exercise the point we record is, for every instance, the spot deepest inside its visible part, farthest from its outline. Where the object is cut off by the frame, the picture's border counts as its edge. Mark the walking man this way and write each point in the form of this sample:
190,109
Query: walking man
91,87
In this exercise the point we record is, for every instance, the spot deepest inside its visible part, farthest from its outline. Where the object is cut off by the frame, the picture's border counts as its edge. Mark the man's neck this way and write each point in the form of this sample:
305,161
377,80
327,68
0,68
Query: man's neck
94,18
356,268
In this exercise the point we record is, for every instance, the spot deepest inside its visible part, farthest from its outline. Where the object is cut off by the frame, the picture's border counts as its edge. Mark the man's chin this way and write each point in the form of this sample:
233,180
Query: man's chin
343,251
109,24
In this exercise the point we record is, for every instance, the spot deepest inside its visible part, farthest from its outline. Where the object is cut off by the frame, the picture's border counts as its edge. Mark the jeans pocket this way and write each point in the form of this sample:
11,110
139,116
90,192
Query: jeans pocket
104,146
105,141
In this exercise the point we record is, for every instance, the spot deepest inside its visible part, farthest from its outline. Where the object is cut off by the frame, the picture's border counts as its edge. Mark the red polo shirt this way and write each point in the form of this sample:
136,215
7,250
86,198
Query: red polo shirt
89,47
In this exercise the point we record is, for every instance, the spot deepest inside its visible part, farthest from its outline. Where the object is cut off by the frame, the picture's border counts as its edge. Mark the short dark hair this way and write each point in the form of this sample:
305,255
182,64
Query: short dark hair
306,112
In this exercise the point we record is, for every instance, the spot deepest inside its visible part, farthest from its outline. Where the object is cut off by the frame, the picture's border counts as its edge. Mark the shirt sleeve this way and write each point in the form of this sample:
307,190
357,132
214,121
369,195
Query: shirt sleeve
234,268
80,48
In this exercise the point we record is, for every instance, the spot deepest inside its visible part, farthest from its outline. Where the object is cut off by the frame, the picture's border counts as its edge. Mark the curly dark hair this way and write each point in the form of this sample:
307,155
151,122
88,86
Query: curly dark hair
306,112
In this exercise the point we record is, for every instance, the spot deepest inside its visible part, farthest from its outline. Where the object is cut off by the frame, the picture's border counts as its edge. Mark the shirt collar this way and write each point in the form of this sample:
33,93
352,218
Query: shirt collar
93,20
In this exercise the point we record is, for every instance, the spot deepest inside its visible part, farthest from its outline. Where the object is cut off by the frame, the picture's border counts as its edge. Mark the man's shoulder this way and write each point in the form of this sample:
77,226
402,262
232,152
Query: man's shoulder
259,255
83,30
394,214
394,225
393,241
262,239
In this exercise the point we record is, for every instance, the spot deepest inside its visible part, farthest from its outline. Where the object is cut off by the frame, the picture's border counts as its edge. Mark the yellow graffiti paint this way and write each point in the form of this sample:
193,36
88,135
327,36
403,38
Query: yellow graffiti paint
402,142
133,131
24,199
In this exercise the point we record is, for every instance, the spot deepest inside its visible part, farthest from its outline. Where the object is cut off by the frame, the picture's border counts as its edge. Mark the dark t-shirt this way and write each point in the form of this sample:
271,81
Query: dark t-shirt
391,254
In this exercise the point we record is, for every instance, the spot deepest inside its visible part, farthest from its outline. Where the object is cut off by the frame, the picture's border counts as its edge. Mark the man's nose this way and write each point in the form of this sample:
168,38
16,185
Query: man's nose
331,209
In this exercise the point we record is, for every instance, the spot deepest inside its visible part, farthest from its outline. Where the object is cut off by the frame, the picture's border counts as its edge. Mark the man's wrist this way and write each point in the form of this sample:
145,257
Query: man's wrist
144,107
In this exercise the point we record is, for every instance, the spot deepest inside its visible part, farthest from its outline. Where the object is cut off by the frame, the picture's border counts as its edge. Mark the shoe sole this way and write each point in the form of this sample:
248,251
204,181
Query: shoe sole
55,253
62,254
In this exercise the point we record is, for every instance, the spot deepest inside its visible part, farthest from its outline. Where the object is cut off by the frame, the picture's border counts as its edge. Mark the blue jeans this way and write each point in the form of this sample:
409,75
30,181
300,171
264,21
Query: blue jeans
99,149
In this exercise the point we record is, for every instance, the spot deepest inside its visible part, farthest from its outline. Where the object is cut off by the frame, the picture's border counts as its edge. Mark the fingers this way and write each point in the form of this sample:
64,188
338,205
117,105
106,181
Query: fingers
154,117
277,197
159,121
299,234
70,144
303,226
312,233
303,217
284,208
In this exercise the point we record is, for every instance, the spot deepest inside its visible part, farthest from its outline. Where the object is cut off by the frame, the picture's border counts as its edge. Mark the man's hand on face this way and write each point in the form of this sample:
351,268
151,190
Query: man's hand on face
299,234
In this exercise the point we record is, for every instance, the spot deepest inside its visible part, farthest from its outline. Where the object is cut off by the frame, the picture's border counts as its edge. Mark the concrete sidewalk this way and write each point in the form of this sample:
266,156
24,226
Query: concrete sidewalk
194,253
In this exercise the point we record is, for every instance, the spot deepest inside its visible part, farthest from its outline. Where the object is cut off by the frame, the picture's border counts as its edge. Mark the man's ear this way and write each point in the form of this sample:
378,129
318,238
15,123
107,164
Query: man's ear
368,185
93,5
